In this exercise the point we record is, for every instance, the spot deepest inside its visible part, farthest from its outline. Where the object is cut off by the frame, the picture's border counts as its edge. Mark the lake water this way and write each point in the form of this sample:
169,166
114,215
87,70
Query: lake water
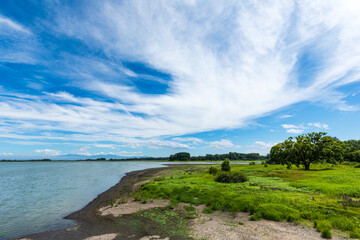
35,197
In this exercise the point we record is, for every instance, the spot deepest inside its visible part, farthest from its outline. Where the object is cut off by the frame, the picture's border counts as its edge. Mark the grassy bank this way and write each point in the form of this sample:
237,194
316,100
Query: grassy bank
326,198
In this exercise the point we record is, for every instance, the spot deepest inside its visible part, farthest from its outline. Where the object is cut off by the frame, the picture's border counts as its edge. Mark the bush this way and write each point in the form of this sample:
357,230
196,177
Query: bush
322,225
255,217
213,170
355,233
326,233
229,177
252,163
225,166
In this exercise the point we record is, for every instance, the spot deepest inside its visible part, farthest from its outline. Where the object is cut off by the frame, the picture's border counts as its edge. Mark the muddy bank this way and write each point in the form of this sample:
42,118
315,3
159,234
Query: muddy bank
91,225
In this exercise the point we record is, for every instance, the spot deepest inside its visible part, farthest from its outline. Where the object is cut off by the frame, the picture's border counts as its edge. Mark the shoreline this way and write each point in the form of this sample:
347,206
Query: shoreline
88,222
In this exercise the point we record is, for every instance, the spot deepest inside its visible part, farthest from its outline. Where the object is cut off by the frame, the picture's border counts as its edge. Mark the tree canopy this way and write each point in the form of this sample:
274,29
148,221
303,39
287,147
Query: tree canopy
308,148
181,156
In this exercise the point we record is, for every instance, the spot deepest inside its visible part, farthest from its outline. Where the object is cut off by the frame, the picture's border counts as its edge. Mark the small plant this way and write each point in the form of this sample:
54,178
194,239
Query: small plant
326,233
265,164
225,166
252,163
208,210
240,223
355,233
213,170
189,208
229,177
111,202
255,217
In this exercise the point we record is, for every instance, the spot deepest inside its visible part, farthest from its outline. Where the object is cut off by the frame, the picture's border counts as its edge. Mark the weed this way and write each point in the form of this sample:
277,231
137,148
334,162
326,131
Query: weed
231,177
326,233
189,208
213,170
111,203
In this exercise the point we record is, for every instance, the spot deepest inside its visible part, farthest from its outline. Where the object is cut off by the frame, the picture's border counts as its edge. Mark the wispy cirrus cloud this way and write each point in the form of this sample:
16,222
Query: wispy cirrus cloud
270,55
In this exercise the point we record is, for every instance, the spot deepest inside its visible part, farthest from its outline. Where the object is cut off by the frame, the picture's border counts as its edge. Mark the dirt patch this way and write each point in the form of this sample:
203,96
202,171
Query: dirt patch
109,236
131,207
224,225
153,238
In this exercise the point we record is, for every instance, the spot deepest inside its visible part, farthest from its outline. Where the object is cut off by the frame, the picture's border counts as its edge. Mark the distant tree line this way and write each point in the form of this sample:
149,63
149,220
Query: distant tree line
233,156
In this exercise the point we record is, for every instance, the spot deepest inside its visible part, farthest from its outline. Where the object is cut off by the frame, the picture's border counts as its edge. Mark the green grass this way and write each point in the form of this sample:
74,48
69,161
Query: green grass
272,192
158,221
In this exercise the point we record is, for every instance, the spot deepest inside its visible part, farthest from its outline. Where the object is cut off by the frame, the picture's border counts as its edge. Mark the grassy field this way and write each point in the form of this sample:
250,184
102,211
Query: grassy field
326,198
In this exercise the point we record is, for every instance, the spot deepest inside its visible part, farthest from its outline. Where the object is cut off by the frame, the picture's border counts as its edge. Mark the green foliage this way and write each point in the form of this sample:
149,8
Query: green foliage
111,202
181,156
273,193
213,170
231,177
189,208
225,166
255,217
252,163
278,212
355,233
326,233
306,149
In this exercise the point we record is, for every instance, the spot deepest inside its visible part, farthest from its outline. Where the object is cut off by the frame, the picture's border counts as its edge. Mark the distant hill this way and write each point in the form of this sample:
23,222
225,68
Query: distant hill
83,157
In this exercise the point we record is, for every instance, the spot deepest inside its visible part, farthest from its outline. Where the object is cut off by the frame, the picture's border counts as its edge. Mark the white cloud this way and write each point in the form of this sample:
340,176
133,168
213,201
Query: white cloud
6,154
264,144
296,131
216,83
222,144
188,139
48,152
319,125
286,116
8,23
111,146
291,128
286,126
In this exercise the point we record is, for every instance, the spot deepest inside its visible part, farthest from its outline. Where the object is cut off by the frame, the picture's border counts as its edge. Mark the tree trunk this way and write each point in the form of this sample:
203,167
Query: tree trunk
307,166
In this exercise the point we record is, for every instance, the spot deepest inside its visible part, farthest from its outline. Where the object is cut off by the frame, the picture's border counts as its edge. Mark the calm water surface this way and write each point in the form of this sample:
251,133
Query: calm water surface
35,197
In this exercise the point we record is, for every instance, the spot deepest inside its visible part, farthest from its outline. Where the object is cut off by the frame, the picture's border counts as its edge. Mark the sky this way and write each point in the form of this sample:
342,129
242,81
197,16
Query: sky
152,78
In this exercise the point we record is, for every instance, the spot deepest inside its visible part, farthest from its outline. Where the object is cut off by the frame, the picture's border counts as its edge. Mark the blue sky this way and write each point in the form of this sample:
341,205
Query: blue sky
139,78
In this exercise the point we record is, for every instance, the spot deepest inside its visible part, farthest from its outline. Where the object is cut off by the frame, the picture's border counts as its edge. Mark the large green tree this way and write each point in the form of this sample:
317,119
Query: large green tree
306,149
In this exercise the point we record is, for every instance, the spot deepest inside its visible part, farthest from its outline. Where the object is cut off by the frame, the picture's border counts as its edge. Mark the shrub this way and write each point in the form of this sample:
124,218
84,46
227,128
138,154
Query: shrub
189,208
255,217
251,163
355,233
225,166
322,225
229,177
213,170
326,233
